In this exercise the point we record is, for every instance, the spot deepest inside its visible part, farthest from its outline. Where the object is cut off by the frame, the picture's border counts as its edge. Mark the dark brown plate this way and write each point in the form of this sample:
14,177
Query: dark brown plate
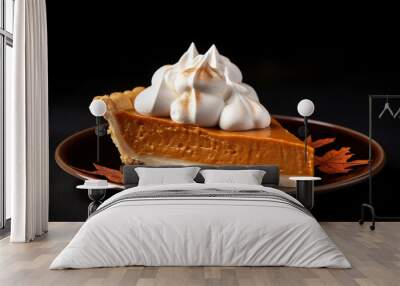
79,151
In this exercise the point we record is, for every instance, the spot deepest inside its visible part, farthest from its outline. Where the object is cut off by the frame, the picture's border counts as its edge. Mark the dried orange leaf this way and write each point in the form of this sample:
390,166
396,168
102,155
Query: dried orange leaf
320,142
337,161
112,175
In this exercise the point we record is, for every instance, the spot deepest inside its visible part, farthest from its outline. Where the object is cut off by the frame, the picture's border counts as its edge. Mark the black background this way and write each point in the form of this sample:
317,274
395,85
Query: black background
97,48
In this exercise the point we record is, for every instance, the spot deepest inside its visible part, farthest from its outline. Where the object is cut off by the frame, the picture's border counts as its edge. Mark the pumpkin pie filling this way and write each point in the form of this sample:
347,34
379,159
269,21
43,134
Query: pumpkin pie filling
143,139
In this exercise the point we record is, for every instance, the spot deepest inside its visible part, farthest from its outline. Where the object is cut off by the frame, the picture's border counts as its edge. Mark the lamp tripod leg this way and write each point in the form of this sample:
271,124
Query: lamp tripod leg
361,221
373,217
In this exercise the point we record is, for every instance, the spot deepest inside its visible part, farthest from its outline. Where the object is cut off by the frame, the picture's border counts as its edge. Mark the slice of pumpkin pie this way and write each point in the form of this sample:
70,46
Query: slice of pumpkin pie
199,111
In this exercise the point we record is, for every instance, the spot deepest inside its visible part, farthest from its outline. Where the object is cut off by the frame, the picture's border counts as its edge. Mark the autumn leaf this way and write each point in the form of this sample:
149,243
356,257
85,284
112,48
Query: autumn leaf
334,161
320,142
112,175
337,161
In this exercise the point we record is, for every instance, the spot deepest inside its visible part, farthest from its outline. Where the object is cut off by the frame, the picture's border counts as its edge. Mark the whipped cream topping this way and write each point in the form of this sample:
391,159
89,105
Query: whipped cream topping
206,90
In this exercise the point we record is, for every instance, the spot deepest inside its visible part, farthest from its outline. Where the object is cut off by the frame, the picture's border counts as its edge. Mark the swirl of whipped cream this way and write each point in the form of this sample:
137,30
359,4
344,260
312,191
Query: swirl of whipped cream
156,99
205,90
243,110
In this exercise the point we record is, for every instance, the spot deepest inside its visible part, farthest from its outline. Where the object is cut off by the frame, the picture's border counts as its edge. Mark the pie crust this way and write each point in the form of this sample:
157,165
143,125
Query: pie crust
149,140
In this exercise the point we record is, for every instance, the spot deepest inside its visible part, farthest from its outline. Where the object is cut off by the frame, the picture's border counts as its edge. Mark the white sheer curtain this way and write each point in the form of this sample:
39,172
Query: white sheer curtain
27,124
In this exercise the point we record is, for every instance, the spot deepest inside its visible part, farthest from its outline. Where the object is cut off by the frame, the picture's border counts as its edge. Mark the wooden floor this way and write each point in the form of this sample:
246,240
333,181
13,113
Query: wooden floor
375,257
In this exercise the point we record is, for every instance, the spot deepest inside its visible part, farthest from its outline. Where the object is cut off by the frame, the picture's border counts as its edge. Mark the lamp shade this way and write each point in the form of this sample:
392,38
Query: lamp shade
305,107
97,108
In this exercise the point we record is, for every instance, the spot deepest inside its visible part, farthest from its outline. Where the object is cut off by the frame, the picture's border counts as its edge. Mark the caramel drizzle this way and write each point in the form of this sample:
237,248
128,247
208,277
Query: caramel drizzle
204,73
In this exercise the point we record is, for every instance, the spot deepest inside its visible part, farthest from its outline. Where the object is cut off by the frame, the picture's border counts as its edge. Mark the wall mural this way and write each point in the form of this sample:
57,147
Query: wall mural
170,102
